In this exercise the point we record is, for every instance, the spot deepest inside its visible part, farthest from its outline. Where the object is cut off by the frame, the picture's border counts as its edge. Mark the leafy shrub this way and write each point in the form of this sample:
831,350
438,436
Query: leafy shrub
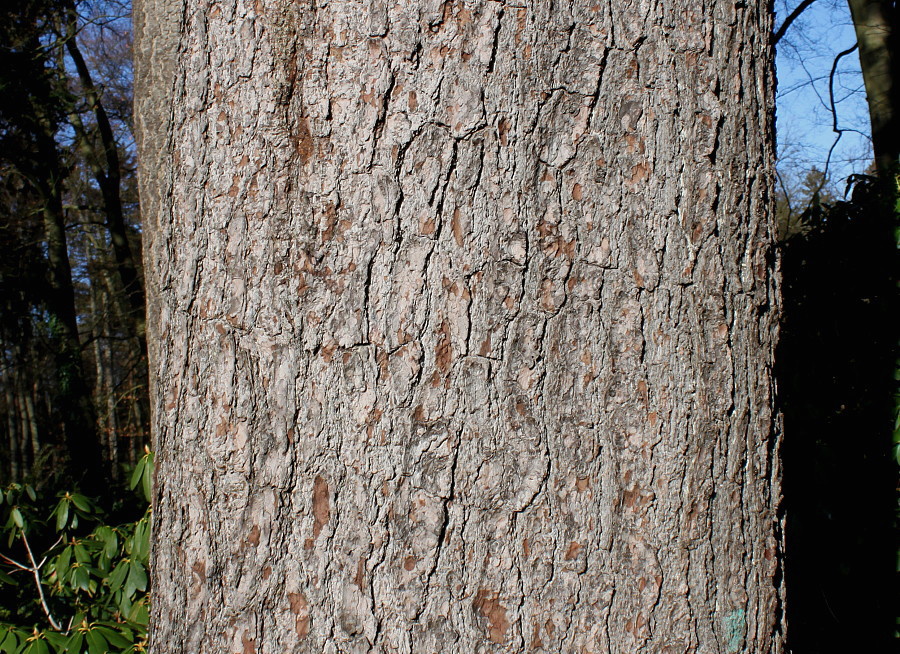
76,585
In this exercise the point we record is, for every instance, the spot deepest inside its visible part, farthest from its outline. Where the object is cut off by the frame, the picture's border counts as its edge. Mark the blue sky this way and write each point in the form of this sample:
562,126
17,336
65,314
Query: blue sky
804,60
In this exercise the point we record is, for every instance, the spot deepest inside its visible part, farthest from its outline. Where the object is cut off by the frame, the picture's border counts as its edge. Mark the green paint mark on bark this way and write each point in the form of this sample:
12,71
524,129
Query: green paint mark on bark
735,625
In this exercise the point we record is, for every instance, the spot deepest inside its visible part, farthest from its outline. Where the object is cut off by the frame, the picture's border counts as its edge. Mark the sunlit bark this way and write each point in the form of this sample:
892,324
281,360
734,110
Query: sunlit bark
461,322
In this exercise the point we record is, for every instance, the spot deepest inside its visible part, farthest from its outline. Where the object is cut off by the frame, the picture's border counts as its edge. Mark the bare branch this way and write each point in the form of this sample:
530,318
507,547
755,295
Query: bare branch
794,15
834,117
36,571
15,563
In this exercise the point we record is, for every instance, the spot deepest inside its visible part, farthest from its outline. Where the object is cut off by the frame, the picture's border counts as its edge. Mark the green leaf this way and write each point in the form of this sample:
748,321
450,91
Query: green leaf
29,490
137,578
56,639
62,514
16,516
9,642
81,579
38,646
147,478
138,471
96,642
81,502
113,637
6,579
139,613
63,561
141,540
110,544
124,603
81,554
117,578
139,574
75,643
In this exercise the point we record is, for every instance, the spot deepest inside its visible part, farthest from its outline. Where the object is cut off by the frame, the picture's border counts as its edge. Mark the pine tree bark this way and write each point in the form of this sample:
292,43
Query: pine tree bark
461,326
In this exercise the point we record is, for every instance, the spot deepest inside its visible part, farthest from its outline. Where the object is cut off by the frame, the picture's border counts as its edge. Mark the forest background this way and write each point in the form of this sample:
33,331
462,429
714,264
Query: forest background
75,464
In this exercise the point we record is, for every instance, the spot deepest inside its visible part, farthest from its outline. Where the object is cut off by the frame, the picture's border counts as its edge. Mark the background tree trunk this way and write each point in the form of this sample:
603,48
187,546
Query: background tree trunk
877,23
101,151
15,442
461,320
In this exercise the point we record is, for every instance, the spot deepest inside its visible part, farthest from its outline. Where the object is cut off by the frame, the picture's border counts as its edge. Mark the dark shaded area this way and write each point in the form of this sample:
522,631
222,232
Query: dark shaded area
73,394
835,371
33,100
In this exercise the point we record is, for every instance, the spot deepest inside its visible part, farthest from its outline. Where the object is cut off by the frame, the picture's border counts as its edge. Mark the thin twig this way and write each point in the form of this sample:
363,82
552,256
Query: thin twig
834,117
15,563
36,571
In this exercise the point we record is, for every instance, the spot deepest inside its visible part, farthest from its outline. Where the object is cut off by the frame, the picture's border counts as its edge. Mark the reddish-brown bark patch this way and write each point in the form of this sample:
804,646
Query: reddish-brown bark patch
502,130
487,604
199,569
248,643
536,642
321,505
456,227
360,579
443,355
300,608
639,173
573,550
304,141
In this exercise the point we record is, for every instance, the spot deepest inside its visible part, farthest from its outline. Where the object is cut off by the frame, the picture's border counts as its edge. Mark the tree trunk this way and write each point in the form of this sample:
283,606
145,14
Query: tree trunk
16,442
22,415
112,412
103,159
461,320
876,24
30,416
104,385
79,429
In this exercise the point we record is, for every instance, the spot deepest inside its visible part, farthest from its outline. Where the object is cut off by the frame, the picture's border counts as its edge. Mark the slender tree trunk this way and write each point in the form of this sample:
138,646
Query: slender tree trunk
99,376
22,419
134,367
104,164
112,416
877,24
79,435
31,416
16,444
104,391
462,318
138,435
